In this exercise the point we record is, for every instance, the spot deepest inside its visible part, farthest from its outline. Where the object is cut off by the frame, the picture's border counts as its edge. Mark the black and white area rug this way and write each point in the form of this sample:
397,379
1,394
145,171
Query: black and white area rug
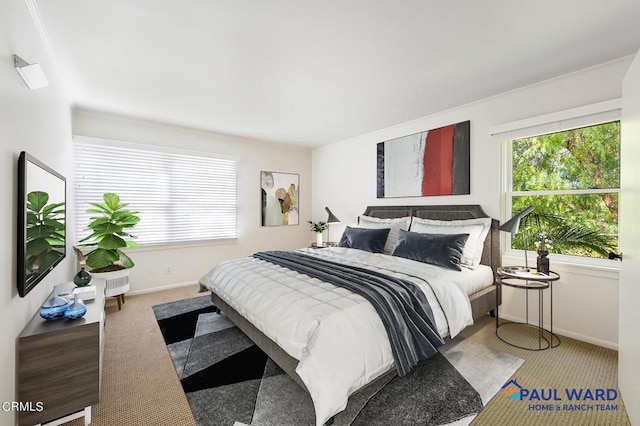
229,381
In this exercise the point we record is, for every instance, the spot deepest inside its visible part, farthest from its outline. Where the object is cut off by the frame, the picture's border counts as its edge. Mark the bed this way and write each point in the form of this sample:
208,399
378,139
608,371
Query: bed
310,359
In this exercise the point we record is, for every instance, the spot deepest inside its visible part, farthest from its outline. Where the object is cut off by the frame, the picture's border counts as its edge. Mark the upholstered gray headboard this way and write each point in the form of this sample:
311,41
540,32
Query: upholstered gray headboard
491,253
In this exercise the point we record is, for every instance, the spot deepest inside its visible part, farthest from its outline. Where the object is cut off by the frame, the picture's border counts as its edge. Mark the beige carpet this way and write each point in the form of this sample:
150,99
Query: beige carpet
140,385
574,364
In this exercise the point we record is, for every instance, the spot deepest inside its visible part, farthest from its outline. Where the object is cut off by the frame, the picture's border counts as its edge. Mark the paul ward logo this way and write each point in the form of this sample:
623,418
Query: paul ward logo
512,389
553,399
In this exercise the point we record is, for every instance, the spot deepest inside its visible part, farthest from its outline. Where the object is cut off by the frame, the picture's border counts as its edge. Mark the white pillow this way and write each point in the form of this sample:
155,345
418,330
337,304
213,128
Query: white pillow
394,225
476,228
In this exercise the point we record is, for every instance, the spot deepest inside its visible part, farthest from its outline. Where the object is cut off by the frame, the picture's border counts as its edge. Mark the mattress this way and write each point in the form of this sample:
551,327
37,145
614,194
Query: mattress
470,280
336,335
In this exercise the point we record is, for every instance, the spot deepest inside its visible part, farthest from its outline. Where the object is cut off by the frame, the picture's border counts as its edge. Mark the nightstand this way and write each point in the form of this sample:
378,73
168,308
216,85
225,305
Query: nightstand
520,278
324,245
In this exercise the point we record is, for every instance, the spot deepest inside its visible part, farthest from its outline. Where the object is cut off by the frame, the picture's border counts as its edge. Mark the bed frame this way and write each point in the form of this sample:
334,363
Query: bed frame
483,302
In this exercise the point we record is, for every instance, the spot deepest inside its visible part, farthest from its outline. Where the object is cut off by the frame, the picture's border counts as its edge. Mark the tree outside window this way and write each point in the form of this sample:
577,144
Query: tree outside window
572,178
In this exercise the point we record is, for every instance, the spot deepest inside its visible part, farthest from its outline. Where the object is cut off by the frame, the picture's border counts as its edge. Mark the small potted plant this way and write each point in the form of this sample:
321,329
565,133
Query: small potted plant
543,245
318,228
110,224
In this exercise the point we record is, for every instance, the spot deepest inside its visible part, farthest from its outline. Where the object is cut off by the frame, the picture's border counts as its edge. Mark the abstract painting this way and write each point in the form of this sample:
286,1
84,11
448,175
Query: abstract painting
279,198
434,162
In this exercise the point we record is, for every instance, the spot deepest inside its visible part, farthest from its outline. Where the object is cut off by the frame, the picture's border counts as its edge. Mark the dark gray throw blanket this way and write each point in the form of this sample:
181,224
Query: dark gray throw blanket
402,306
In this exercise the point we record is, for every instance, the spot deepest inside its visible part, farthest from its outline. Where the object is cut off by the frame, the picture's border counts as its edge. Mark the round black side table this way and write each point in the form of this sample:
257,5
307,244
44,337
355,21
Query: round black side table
520,278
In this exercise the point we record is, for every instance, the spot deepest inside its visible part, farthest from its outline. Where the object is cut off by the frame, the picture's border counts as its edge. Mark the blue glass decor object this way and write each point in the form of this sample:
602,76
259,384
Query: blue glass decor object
82,278
76,309
54,308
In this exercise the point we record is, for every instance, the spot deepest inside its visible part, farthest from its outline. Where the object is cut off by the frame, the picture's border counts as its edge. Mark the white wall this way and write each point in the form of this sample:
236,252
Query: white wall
189,262
39,122
344,178
629,357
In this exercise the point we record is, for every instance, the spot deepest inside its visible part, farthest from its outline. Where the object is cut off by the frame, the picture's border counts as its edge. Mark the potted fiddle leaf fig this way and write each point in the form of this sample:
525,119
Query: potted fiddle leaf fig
110,225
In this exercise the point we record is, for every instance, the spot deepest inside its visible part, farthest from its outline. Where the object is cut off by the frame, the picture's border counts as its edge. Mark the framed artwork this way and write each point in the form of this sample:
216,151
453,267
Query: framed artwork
279,202
433,162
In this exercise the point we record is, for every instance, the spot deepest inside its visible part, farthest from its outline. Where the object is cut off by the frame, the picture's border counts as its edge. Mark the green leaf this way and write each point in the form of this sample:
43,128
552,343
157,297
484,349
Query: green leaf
132,244
98,221
126,260
50,210
41,231
111,241
94,238
37,199
99,208
37,247
111,200
31,218
55,224
99,258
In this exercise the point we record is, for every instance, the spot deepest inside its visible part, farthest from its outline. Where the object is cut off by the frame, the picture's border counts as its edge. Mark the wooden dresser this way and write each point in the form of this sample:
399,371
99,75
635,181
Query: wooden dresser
60,363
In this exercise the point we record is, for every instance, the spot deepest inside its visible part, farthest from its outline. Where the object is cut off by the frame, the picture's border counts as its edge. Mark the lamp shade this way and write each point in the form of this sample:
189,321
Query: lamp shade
513,225
332,218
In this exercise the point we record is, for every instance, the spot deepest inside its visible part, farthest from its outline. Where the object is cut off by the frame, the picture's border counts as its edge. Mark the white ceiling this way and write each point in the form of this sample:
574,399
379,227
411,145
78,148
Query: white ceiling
316,72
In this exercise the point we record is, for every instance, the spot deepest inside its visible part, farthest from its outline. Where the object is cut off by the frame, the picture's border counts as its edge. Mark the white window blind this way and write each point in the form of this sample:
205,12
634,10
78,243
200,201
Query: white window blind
180,196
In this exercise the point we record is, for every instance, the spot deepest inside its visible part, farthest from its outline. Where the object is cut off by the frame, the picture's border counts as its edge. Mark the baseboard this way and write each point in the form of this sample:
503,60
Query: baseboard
571,334
164,287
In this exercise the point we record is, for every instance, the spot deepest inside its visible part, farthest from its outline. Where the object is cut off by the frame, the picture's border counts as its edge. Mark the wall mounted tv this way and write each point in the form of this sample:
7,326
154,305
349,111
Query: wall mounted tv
41,221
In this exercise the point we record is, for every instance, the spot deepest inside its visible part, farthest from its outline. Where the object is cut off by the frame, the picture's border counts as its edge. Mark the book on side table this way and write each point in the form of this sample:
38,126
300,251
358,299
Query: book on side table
87,292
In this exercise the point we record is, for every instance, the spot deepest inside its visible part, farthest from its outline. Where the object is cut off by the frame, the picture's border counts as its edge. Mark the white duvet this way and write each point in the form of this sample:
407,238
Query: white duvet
336,335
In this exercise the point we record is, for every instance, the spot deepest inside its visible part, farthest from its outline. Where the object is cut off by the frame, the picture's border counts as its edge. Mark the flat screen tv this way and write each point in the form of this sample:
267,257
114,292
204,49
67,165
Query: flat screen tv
41,221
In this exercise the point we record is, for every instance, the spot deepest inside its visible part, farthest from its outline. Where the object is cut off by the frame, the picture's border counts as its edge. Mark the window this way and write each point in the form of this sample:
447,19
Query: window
572,178
181,196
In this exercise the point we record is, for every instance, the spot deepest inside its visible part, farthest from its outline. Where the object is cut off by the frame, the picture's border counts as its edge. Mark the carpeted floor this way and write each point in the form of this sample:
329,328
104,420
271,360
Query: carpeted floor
140,385
227,378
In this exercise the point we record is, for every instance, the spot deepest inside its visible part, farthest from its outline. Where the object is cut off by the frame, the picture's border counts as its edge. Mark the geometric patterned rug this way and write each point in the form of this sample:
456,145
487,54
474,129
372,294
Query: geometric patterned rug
229,381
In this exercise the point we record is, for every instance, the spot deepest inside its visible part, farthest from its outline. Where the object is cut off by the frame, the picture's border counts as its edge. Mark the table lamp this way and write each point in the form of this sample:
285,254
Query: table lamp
513,225
330,219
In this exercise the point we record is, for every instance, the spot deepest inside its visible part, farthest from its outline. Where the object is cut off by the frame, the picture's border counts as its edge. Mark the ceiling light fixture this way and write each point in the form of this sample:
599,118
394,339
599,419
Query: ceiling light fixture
31,74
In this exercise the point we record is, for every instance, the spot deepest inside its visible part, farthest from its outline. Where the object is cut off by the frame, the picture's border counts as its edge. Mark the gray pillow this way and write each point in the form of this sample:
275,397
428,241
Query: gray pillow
437,249
366,239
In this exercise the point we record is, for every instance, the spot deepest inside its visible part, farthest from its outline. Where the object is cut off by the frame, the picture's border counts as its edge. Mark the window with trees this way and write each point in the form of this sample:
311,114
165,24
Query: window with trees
572,179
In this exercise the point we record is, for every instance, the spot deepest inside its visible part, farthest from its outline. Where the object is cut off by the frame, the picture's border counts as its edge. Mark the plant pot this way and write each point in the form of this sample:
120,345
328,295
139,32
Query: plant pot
318,239
115,283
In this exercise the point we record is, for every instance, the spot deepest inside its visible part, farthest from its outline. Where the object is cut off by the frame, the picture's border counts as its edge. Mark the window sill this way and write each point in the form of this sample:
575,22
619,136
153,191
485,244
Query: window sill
185,244
575,265
179,245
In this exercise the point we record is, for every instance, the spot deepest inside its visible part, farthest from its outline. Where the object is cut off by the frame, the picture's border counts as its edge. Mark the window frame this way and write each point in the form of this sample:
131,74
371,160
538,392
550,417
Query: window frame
505,134
157,149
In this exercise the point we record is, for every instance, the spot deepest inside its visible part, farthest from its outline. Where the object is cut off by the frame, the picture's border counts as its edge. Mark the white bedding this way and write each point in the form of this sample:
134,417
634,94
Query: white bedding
336,335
